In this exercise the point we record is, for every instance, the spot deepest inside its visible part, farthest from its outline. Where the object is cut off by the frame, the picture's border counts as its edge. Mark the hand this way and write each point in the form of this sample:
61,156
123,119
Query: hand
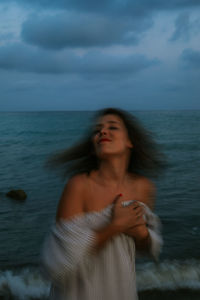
126,218
139,232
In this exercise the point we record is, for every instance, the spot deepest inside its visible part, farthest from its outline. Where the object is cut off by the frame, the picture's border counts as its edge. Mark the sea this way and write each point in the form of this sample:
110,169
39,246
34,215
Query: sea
29,138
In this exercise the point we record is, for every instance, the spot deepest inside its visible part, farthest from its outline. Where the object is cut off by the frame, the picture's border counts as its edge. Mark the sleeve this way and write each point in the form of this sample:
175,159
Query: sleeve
67,245
154,228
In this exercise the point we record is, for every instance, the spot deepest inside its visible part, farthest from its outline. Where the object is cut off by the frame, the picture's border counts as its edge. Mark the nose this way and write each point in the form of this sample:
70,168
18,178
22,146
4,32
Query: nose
103,131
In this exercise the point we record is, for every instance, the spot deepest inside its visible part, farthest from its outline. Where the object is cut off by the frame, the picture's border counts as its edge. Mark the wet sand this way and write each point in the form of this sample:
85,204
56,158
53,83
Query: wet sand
180,294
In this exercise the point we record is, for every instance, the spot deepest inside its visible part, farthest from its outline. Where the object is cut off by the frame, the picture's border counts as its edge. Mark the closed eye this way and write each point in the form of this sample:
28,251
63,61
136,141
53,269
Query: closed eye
110,127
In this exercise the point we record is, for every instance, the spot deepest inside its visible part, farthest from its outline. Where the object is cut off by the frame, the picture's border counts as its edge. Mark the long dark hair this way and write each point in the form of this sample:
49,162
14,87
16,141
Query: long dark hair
145,158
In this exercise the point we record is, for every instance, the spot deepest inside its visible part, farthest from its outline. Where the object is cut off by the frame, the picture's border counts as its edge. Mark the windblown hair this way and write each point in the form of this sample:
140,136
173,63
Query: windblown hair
145,158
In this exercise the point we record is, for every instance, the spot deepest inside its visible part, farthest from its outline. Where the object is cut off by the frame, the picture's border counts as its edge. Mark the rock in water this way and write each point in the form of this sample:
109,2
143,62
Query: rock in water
17,194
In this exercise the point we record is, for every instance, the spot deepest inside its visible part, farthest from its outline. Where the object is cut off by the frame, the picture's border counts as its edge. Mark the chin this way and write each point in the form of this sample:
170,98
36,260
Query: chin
107,154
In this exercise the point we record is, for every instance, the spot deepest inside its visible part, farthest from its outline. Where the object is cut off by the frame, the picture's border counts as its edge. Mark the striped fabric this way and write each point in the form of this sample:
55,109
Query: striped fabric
77,273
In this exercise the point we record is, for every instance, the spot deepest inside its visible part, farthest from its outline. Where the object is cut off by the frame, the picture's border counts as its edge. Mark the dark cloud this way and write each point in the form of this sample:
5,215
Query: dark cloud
191,58
35,75
4,37
78,30
184,27
133,7
174,87
25,58
29,59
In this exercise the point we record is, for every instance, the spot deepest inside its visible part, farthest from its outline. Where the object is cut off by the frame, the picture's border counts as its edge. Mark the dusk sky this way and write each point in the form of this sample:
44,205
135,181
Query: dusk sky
87,54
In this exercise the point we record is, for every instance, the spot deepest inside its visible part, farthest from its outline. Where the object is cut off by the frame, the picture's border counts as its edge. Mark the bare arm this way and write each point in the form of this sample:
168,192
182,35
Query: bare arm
141,233
72,200
71,239
122,220
70,242
72,204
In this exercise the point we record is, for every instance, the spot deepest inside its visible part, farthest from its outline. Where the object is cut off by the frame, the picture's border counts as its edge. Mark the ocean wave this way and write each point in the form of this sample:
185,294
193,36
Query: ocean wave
169,275
28,283
23,284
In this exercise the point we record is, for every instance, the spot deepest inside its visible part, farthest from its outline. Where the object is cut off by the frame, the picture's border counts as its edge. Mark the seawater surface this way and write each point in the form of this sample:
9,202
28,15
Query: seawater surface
28,138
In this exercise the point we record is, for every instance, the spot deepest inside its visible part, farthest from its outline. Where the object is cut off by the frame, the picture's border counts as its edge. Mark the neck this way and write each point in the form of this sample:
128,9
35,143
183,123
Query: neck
113,171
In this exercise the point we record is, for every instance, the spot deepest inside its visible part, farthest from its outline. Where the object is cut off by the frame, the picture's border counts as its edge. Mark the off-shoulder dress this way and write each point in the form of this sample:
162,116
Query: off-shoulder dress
77,273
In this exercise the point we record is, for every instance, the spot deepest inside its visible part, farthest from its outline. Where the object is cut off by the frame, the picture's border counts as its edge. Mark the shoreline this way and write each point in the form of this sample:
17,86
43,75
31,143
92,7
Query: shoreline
179,294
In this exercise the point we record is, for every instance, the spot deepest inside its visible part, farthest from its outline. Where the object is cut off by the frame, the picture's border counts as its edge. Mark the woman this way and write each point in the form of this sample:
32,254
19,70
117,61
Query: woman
104,214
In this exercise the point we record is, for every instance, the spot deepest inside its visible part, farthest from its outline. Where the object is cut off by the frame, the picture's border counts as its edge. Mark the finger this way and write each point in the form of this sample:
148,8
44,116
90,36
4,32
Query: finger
138,210
135,204
140,221
139,215
117,199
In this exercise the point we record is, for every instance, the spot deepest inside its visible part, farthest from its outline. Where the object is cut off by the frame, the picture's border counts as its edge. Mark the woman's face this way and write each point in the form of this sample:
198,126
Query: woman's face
110,136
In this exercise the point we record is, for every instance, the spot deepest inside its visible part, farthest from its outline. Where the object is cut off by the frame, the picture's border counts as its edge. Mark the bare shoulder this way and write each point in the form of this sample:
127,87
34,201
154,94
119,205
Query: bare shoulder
77,179
146,191
72,199
75,185
146,183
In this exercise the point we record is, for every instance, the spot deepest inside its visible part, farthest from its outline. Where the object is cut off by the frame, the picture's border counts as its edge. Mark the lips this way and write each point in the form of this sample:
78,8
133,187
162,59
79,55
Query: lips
103,140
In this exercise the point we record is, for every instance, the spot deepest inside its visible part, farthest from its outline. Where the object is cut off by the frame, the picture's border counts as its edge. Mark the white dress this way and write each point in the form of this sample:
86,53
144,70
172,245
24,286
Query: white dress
77,274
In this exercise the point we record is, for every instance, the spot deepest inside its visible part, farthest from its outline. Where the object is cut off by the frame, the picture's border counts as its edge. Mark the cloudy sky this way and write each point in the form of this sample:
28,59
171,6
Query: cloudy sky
87,54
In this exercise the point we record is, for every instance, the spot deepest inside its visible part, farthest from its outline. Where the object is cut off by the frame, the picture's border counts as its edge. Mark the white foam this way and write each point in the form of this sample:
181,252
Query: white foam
28,283
169,275
24,284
